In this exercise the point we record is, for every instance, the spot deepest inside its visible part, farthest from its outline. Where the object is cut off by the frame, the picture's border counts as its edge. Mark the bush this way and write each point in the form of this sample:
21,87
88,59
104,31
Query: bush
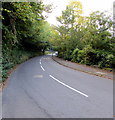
60,54
89,56
74,55
13,57
80,56
105,59
110,61
85,56
68,55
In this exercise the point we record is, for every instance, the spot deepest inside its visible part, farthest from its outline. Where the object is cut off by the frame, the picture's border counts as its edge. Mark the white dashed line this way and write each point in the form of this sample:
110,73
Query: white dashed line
41,65
42,68
68,86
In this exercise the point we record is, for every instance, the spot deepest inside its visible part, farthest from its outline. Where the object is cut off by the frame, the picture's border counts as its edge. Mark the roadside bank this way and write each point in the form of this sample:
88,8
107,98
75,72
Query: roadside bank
84,68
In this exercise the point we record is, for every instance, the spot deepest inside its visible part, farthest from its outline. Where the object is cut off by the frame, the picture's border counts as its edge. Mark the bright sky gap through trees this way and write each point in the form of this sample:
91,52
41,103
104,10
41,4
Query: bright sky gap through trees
89,6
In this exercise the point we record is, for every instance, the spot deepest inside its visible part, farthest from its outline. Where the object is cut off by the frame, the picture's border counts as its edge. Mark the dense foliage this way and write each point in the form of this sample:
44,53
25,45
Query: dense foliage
86,40
26,33
22,32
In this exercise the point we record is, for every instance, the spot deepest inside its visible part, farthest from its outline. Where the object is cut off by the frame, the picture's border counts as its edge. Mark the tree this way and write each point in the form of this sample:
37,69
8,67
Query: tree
22,28
97,29
87,40
69,22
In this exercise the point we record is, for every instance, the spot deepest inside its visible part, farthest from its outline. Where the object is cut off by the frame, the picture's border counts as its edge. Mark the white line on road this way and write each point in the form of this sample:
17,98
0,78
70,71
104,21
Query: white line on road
41,65
69,86
40,60
42,68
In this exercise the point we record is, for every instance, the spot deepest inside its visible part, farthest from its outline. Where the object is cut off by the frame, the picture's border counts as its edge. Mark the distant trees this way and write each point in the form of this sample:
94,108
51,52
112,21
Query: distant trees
87,40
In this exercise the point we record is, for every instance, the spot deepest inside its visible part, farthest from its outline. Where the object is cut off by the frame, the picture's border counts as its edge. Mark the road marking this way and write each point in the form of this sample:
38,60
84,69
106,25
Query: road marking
100,73
41,65
40,59
38,76
69,86
42,68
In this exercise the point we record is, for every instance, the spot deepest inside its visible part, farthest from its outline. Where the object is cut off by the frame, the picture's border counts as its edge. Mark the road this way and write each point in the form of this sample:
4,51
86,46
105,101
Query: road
42,88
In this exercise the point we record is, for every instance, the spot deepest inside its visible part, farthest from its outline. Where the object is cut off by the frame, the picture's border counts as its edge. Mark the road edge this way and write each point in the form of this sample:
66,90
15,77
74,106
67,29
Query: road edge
4,84
91,73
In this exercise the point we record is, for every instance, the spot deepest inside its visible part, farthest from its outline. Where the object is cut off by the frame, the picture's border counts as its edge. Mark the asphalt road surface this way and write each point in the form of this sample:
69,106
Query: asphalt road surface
42,88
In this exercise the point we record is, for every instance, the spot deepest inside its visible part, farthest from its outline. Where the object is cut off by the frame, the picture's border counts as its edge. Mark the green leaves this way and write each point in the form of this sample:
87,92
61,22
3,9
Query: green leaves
25,32
71,14
87,40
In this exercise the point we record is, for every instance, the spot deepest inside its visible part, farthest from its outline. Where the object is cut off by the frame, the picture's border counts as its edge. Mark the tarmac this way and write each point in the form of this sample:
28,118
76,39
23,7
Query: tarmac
85,68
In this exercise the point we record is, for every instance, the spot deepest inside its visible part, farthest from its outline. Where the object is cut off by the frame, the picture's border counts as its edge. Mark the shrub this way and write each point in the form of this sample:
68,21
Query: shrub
60,54
89,56
74,55
13,57
68,55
